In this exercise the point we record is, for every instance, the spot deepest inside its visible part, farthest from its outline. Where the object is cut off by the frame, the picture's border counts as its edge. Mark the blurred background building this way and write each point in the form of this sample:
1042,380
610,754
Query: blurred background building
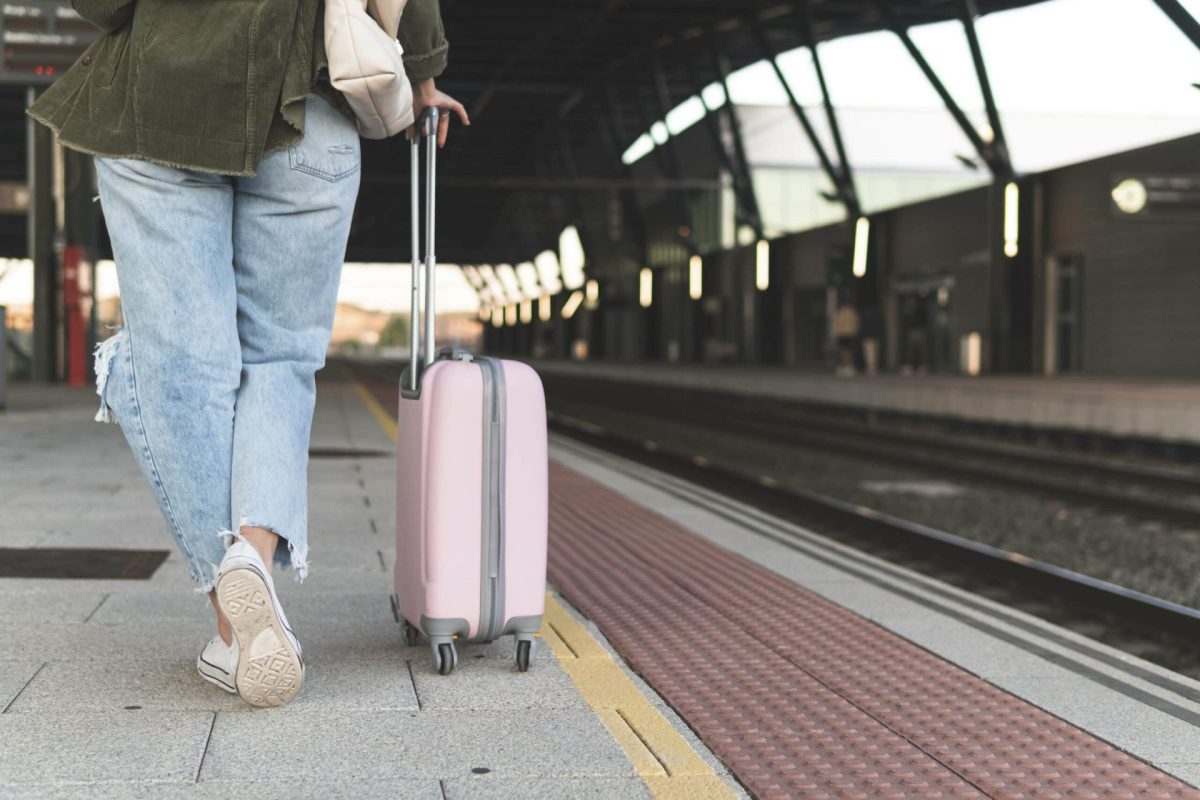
1017,194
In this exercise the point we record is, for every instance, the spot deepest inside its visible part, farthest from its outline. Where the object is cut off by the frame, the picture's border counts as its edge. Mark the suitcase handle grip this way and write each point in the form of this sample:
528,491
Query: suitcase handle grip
421,348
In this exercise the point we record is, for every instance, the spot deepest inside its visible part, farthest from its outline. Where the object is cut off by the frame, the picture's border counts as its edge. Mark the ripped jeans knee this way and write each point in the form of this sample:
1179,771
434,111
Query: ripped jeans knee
106,351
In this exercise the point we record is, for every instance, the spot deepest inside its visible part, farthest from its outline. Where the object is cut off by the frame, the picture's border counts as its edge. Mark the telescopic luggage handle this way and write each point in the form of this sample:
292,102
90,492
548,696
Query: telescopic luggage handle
417,344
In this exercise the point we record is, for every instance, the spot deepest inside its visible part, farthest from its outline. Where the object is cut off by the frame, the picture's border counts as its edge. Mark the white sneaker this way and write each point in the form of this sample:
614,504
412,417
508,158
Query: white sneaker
217,663
269,670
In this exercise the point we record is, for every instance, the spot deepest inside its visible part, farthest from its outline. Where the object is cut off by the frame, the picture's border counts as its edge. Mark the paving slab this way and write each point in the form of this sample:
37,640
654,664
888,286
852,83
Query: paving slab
107,643
413,789
149,604
35,605
14,675
79,686
95,747
354,745
488,679
486,787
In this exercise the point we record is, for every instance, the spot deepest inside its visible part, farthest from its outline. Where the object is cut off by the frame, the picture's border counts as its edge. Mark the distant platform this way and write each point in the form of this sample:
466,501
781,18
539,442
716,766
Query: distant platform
1162,409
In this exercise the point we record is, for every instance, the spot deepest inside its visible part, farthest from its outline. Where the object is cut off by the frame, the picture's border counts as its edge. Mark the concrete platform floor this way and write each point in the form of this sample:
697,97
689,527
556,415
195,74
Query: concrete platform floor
99,694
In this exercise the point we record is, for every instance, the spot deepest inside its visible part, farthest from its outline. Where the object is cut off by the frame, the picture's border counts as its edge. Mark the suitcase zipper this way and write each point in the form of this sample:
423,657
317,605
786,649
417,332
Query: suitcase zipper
492,601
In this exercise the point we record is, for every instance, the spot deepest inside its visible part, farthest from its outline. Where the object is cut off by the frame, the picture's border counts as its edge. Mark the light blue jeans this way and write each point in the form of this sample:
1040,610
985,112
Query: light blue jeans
228,288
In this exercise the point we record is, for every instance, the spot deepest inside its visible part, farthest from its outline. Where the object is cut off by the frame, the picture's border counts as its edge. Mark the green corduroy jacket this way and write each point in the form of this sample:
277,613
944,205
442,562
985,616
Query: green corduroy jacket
211,85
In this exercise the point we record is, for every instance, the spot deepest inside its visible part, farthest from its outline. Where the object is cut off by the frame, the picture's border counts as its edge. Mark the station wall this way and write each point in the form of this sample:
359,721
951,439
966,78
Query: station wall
1138,285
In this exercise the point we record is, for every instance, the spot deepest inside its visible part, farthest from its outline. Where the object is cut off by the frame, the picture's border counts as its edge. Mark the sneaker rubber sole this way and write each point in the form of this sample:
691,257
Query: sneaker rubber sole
269,670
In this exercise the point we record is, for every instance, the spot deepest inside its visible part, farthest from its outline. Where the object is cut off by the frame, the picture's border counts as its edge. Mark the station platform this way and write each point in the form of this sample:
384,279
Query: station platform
694,647
1165,410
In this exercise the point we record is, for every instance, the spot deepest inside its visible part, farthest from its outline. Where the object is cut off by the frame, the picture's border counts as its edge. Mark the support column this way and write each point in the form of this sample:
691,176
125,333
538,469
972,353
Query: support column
41,237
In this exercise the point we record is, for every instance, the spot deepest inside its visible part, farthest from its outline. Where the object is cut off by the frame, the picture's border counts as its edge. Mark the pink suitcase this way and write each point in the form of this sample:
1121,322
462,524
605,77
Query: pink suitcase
471,502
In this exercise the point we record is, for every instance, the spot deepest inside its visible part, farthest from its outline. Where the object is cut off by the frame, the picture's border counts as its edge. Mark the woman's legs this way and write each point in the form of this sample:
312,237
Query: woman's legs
290,226
170,377
228,291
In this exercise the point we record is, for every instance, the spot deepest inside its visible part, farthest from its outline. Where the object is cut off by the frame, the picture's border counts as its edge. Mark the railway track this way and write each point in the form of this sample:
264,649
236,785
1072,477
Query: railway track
1151,491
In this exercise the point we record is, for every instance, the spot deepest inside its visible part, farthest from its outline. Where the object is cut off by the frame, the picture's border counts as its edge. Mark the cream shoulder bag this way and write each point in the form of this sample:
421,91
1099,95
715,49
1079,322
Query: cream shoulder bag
366,63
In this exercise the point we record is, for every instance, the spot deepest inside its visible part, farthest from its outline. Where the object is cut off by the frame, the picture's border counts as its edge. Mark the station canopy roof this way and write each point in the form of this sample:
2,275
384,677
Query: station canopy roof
557,89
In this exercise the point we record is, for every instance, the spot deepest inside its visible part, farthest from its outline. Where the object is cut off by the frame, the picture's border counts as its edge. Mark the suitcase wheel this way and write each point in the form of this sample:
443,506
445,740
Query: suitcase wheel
445,658
524,646
412,634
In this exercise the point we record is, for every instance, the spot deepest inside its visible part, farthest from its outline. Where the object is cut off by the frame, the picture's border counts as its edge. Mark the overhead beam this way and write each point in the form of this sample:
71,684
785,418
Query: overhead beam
805,19
721,67
747,205
982,148
840,186
1003,169
670,161
1182,19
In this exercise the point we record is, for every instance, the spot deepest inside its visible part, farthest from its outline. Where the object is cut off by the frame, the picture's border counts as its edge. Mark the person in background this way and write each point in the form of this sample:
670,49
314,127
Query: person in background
228,168
846,330
872,333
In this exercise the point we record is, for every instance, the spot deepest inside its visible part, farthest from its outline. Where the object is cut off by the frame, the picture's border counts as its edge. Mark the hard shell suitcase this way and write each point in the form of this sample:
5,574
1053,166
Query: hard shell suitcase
471,501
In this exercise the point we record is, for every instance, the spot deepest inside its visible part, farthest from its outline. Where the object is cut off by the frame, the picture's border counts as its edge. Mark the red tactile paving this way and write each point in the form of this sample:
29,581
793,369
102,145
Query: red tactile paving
803,698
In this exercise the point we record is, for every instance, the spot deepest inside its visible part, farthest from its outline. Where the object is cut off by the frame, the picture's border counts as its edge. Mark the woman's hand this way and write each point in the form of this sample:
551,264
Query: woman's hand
426,95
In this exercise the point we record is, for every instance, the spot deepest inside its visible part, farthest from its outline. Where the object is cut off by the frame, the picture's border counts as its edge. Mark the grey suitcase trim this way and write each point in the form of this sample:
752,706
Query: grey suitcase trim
492,572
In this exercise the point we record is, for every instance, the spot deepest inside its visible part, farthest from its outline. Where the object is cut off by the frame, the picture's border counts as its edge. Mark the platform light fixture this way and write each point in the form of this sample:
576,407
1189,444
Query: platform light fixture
571,257
510,314
1012,206
862,235
645,287
762,265
497,316
526,311
544,308
549,272
485,313
572,305
591,294
695,277
494,284
639,149
510,282
527,275
713,96
685,115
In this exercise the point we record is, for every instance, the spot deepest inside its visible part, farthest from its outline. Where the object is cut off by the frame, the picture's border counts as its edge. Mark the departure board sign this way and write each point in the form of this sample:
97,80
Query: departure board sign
40,39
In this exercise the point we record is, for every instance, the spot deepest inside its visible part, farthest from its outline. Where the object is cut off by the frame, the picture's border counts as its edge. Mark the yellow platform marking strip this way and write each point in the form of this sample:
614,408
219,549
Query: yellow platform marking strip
666,763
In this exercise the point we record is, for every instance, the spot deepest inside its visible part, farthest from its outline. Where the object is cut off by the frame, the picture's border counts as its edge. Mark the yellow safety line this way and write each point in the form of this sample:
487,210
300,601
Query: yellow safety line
669,766
386,421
